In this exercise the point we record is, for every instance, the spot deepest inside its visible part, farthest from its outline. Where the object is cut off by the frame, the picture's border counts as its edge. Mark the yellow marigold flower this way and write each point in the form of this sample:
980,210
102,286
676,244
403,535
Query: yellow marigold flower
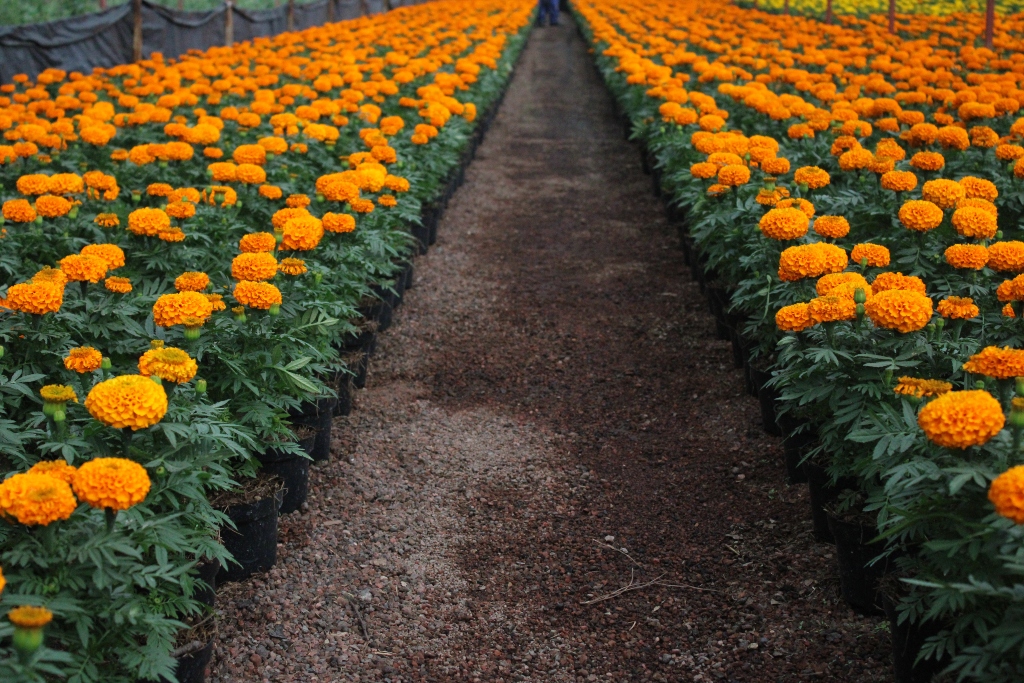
832,226
920,215
107,220
38,298
339,222
250,174
899,181
53,276
830,282
111,253
998,363
169,364
83,359
784,224
798,203
942,192
175,309
302,233
80,268
52,206
131,401
928,161
889,281
1006,493
794,318
826,309
58,469
922,388
261,295
293,266
257,266
271,192
36,499
979,188
877,256
112,483
1006,256
148,222
58,393
258,241
958,308
192,281
960,419
217,301
899,309
967,256
18,211
29,617
297,201
971,221
250,154
118,285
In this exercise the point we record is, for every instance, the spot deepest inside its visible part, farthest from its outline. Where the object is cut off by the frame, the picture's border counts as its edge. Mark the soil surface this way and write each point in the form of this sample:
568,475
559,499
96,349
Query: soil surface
550,421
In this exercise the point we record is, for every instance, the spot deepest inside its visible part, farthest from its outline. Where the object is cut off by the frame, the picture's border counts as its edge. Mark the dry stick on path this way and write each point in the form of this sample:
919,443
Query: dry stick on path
621,551
351,602
637,586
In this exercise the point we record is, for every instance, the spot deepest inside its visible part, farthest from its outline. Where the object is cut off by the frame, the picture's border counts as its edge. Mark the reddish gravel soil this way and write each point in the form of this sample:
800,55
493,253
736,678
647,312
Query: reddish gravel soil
551,419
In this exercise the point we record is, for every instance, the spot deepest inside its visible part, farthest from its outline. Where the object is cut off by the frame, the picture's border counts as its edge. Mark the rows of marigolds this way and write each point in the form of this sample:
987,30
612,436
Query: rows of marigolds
186,245
854,200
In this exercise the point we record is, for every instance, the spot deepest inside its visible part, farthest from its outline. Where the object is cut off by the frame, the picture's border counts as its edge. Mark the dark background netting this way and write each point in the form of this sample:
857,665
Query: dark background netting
104,38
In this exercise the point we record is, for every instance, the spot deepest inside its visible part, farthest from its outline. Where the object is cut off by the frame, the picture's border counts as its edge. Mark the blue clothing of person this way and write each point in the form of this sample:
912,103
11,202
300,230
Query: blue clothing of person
548,8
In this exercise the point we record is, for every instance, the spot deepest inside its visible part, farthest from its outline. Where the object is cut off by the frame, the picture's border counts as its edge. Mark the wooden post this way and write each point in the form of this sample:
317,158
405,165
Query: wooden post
990,22
330,11
892,17
387,6
137,30
363,7
291,15
229,22
828,12
786,7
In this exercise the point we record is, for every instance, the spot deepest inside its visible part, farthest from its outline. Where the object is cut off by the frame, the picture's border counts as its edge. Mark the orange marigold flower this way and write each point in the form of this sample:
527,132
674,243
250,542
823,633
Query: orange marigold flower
978,203
703,170
118,285
889,281
36,499
175,309
877,256
112,483
35,297
274,145
302,233
801,261
271,192
107,220
954,138
998,363
794,318
53,276
784,223
293,266
825,309
169,364
899,181
217,301
967,256
222,171
33,184
1009,152
159,190
58,393
979,188
958,308
261,295
250,174
172,235
282,216
111,253
928,161
798,203
899,309
1006,256
960,419
258,241
192,281
257,266
971,221
771,165
83,359
297,201
30,617
250,154
148,222
52,206
80,268
855,159
828,283
813,177
58,469
131,401
387,200
181,210
1006,493
922,388
920,215
339,222
942,192
18,211
832,226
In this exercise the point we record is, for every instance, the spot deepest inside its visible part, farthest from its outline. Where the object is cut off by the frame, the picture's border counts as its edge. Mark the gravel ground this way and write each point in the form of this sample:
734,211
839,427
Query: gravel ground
550,420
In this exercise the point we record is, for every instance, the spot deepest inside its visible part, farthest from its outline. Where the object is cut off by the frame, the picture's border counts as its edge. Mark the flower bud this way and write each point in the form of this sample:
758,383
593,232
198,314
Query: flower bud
192,332
136,197
238,204
156,379
318,277
999,234
106,364
1020,386
161,471
1,351
320,198
980,384
39,220
50,409
1017,419
802,186
162,164
59,415
73,213
156,344
275,309
940,323
28,640
201,386
239,312
859,296
887,376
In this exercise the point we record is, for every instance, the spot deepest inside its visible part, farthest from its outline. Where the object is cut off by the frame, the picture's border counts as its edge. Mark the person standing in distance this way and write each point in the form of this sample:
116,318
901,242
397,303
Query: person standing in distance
548,8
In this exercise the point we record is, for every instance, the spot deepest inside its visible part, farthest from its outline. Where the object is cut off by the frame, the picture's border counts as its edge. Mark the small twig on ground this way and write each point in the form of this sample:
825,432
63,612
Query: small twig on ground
351,602
621,551
637,586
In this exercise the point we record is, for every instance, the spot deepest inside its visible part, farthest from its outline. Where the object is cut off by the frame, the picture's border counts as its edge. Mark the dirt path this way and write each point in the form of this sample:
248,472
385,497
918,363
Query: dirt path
550,419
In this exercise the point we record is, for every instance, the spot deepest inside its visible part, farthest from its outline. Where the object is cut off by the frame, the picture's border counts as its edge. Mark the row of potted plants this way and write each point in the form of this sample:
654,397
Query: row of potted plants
197,256
850,202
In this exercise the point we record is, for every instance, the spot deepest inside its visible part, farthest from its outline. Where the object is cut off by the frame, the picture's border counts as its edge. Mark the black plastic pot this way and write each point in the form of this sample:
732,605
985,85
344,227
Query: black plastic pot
767,397
907,639
343,386
191,667
253,541
319,415
292,470
410,275
858,578
823,494
795,447
207,573
361,369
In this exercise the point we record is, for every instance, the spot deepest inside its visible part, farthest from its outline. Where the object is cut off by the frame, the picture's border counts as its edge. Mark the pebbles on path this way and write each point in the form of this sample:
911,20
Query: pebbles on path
550,420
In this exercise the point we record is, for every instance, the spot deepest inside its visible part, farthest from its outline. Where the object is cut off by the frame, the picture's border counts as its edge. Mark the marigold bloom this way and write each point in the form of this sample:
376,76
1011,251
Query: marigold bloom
922,388
339,222
259,241
18,211
784,224
960,419
250,154
180,210
53,276
83,359
899,309
107,220
52,206
58,469
175,309
899,181
38,298
112,483
827,284
169,364
967,256
920,215
271,192
112,254
217,301
148,222
1009,152
833,227
159,189
302,233
954,138
1006,256
855,159
794,318
192,281
131,401
825,309
942,192
801,261
33,184
282,216
293,266
261,295
222,171
1006,493
80,268
774,166
250,174
978,203
703,170
958,308
257,266
884,282
971,221
928,161
58,393
29,617
877,256
118,285
979,188
998,363
36,499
